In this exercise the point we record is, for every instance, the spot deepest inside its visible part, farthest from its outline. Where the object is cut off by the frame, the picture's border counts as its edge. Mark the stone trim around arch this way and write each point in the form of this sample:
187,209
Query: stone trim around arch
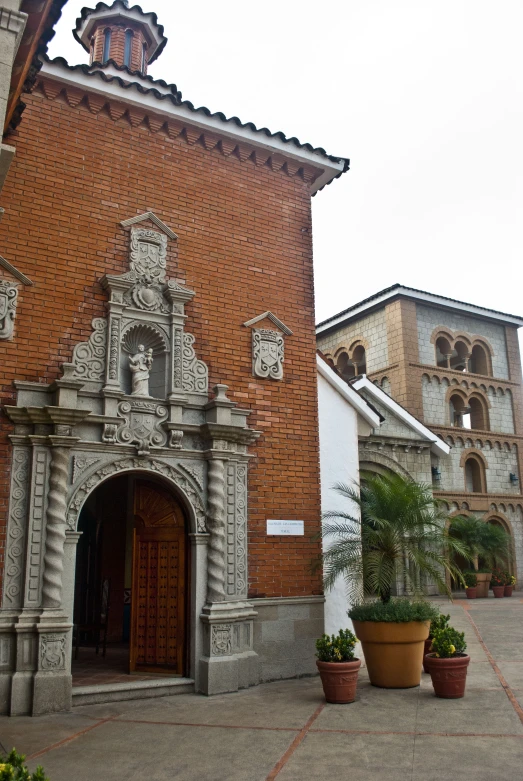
380,459
183,484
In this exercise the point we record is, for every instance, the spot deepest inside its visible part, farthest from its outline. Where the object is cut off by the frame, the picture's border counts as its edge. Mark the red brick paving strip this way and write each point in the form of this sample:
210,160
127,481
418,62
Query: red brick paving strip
508,691
70,738
294,745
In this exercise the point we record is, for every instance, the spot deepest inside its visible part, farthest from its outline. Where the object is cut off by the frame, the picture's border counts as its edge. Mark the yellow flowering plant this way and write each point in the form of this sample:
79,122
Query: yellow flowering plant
12,768
336,648
448,642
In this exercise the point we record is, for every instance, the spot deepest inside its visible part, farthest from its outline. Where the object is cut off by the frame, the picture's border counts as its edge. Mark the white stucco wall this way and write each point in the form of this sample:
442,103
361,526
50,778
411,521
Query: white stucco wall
338,464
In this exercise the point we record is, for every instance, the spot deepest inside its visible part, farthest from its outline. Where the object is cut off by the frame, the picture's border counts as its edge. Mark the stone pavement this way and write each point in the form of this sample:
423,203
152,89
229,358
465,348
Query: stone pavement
285,731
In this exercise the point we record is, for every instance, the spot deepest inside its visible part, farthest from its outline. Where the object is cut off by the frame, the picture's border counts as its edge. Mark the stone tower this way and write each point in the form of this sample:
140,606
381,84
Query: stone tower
457,368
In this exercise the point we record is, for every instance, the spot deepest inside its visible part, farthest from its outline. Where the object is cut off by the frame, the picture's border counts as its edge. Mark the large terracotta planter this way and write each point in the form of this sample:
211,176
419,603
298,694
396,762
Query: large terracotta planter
508,591
449,676
393,651
483,584
426,650
339,680
471,592
499,591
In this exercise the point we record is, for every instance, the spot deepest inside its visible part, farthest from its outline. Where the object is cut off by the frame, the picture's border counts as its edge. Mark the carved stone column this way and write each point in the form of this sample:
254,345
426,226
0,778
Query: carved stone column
55,524
216,524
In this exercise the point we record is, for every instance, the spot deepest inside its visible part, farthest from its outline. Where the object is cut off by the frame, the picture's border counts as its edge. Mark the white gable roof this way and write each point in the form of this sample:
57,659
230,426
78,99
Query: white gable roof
348,393
439,447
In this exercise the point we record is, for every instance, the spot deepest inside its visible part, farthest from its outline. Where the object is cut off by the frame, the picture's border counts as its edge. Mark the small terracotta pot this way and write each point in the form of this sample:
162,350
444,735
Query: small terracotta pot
499,591
426,650
508,591
339,680
449,676
483,582
471,592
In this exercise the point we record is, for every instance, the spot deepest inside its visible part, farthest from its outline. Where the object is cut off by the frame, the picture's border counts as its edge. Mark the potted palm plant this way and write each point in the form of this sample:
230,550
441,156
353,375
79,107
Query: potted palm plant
399,542
471,580
510,582
448,663
485,543
338,666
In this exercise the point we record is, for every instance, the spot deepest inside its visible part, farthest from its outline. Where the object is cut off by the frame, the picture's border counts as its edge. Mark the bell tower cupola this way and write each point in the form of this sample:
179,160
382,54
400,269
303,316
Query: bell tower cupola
127,36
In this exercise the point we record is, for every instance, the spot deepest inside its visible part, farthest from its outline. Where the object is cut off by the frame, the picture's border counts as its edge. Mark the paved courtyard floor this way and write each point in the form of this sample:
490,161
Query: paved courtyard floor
285,731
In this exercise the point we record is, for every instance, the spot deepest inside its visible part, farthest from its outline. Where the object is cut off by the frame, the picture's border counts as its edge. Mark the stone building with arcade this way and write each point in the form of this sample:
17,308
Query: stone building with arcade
456,368
159,389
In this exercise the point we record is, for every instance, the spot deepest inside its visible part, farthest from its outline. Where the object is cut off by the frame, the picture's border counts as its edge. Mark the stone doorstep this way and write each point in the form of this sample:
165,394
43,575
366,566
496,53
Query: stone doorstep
133,690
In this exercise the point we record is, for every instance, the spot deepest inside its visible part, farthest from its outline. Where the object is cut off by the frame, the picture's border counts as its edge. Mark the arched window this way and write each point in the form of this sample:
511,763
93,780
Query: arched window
459,412
479,363
478,414
128,48
474,476
144,57
443,352
359,359
345,366
107,44
459,358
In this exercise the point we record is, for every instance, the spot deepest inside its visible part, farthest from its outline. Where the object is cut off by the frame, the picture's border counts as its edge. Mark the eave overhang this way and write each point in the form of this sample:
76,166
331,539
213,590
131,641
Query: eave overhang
144,97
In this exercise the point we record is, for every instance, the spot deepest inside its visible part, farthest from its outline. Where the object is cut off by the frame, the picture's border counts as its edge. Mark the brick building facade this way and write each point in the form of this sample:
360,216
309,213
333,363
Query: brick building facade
154,231
457,368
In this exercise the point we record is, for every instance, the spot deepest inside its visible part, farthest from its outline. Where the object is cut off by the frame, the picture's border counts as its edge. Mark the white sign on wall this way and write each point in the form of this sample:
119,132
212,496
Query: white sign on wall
285,528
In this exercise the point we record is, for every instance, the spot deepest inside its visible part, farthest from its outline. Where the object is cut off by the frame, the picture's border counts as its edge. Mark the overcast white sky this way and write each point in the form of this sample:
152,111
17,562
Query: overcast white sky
426,98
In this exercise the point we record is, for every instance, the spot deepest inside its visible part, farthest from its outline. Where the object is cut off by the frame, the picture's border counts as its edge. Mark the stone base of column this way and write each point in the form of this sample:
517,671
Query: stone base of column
228,662
35,663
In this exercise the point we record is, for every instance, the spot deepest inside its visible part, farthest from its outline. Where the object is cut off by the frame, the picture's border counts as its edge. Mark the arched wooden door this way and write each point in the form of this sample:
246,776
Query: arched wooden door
158,604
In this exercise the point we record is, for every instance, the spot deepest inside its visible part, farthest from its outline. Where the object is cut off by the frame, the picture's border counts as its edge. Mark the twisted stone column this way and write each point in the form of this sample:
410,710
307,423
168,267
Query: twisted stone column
55,528
216,519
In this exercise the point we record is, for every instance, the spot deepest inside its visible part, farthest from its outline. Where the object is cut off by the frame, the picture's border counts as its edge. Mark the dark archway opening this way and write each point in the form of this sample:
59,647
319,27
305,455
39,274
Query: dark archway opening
132,571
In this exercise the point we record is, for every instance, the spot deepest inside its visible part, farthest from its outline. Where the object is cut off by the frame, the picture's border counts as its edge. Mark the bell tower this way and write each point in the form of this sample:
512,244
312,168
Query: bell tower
127,36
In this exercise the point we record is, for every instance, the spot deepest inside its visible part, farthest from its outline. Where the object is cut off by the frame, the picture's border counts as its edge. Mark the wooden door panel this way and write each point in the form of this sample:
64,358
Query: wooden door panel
158,604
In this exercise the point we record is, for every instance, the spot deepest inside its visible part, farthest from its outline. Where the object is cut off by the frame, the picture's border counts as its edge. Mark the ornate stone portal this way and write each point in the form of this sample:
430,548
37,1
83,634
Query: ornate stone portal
133,399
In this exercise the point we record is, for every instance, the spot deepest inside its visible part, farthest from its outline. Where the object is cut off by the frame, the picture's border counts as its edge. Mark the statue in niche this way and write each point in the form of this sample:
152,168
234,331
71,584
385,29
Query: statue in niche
140,365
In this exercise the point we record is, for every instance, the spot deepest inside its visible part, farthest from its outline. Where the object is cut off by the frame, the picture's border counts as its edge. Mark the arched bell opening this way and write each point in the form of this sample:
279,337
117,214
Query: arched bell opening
131,582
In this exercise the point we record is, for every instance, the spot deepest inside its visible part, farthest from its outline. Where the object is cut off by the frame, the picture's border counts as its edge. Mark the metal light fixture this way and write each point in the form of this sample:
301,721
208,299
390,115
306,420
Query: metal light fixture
436,473
513,478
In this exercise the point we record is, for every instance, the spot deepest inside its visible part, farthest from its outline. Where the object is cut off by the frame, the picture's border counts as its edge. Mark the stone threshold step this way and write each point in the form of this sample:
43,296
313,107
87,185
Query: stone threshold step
132,690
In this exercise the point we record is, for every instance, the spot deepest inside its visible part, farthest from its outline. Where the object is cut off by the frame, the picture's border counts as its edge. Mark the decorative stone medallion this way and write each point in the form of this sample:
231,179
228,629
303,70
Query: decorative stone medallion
221,641
267,353
52,652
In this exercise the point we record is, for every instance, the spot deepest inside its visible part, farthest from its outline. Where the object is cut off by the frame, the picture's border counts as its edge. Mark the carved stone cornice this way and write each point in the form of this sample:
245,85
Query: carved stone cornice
242,436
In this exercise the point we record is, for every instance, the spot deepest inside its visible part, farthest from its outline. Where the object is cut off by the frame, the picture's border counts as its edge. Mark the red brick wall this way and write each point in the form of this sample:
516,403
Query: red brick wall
242,247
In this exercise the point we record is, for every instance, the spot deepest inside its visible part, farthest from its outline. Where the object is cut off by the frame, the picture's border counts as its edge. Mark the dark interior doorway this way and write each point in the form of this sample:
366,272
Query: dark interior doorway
130,612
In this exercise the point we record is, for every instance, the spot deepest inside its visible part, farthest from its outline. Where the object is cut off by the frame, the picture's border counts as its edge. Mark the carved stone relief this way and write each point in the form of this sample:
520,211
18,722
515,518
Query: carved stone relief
8,301
17,528
195,377
221,639
267,353
185,484
52,652
236,529
89,357
36,527
80,464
